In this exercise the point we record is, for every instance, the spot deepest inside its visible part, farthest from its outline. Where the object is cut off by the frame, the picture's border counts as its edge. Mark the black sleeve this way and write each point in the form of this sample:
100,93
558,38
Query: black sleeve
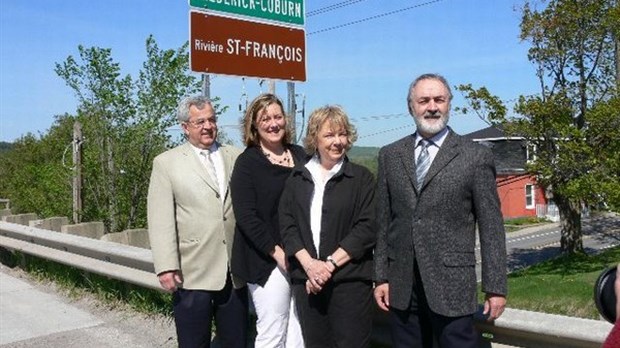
245,201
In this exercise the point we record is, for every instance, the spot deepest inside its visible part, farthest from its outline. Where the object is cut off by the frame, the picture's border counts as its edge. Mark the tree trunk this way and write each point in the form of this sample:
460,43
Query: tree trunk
570,220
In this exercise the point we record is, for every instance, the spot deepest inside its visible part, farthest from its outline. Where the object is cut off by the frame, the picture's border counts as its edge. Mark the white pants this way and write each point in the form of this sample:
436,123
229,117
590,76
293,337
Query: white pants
277,324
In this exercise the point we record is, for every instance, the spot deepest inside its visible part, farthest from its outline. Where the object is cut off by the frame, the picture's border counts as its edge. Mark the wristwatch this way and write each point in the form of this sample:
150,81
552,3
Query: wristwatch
331,260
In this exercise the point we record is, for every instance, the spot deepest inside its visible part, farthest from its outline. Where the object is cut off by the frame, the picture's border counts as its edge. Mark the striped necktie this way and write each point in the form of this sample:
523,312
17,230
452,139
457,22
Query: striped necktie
423,162
208,161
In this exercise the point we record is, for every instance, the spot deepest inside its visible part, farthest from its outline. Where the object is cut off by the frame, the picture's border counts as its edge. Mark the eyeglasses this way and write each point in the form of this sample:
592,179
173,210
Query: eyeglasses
201,122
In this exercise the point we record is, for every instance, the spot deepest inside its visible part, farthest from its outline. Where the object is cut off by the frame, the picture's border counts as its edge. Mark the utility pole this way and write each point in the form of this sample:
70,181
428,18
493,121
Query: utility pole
292,109
616,37
206,86
77,172
272,86
617,44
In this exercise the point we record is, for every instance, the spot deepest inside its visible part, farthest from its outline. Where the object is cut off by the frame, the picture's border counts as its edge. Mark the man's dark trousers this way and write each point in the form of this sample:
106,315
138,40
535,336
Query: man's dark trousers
195,309
418,326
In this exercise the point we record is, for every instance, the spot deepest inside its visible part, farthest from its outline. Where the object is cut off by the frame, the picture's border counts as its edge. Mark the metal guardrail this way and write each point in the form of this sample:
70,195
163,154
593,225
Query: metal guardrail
123,262
6,202
541,330
135,265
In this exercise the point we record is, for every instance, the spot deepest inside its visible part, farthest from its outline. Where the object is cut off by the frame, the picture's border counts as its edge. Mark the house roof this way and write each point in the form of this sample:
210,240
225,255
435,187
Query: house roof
491,132
509,152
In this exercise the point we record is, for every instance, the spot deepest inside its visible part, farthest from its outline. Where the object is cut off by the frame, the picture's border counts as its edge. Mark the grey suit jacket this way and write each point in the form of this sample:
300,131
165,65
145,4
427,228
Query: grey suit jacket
437,226
191,227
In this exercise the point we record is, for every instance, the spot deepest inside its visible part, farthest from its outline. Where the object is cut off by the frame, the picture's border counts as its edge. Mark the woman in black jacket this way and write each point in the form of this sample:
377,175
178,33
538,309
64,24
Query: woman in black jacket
258,257
327,221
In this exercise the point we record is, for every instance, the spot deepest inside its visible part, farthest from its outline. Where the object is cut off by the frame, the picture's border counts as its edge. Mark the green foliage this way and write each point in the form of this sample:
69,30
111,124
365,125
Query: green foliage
572,126
365,156
32,171
564,285
363,151
603,134
125,126
526,220
125,123
487,106
573,48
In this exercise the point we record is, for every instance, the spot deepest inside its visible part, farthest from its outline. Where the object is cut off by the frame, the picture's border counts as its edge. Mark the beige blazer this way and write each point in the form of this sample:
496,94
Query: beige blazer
190,226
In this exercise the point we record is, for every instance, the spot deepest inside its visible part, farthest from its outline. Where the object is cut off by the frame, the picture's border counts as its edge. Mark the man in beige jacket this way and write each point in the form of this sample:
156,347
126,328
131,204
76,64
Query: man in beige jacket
191,227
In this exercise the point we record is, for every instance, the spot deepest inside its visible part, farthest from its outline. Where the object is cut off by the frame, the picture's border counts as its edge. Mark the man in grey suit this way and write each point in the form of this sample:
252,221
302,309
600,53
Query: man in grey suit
434,187
191,228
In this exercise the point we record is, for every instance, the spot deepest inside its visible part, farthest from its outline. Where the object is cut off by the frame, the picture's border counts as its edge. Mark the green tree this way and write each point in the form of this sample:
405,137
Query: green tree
36,173
573,48
125,125
488,107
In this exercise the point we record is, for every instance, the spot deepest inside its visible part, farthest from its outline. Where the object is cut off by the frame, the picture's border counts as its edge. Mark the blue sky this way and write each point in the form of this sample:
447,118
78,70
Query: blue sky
365,67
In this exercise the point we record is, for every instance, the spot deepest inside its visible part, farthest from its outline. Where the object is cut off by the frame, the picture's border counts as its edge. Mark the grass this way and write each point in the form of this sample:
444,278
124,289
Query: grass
525,220
564,285
512,225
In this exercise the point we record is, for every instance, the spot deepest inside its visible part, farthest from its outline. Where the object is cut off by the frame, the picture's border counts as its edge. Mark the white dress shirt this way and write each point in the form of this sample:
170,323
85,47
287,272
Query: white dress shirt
316,206
218,163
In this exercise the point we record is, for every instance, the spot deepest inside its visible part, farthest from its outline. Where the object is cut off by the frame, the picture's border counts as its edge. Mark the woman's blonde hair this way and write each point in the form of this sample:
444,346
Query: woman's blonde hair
336,117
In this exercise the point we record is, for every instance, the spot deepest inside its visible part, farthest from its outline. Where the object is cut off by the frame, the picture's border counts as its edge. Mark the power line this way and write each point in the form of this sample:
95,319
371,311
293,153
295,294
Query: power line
331,7
519,97
379,117
372,17
385,131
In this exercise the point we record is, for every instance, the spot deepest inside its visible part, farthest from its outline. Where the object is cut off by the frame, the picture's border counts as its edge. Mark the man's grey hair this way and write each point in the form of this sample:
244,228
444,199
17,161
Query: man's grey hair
428,77
198,101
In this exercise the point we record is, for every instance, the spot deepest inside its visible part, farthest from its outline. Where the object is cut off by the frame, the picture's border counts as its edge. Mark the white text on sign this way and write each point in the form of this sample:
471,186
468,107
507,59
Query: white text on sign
253,49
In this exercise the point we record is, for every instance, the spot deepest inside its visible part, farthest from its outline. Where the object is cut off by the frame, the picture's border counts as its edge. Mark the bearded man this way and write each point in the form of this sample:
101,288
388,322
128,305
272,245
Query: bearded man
434,189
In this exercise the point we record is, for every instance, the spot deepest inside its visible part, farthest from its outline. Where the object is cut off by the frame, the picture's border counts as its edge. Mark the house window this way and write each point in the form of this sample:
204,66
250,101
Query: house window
530,152
529,197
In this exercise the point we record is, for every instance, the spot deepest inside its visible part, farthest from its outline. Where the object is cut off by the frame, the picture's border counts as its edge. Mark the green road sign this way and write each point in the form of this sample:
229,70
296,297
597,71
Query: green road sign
285,11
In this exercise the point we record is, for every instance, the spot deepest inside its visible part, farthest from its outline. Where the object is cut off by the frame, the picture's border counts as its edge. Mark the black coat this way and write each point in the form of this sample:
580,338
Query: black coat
348,220
256,185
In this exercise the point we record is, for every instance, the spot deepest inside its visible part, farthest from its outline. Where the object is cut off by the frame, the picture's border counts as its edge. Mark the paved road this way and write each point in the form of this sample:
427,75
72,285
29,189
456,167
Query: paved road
527,247
534,244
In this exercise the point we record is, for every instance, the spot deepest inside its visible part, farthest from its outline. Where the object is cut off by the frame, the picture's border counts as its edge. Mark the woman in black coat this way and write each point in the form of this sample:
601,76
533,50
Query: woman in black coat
327,221
258,256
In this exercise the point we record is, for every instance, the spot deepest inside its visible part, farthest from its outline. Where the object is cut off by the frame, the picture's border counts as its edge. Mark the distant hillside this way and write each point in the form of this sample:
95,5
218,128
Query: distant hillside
4,146
366,156
363,151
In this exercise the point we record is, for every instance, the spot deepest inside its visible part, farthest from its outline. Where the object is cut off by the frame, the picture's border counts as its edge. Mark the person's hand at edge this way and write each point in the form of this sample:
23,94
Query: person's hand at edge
280,257
382,296
617,289
494,306
170,280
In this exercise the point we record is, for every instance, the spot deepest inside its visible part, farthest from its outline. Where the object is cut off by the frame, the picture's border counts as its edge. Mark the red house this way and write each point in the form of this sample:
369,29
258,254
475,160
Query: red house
517,189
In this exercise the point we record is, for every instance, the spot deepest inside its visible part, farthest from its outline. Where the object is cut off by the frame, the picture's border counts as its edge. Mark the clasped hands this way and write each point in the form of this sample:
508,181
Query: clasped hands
319,273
